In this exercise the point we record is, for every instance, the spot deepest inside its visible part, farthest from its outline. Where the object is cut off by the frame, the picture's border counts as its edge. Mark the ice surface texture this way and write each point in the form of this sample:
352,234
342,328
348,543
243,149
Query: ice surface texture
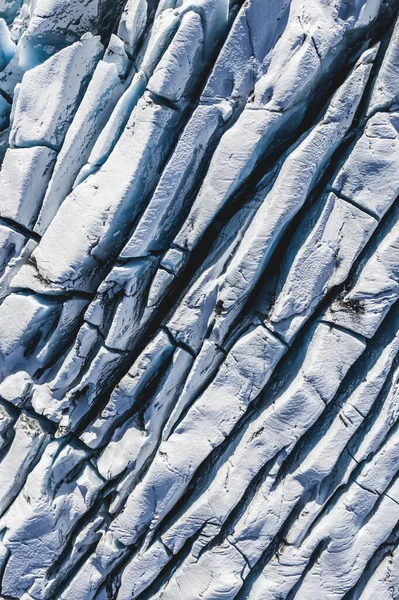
199,284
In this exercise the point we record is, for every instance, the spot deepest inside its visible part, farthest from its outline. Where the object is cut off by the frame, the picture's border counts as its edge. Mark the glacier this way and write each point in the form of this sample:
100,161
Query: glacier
199,284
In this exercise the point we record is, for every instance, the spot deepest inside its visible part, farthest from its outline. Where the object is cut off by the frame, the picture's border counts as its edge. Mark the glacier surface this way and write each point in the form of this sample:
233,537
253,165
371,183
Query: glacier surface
199,284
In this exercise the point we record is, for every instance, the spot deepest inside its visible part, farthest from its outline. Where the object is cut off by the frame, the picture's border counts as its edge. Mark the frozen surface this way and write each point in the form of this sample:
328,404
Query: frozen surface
199,284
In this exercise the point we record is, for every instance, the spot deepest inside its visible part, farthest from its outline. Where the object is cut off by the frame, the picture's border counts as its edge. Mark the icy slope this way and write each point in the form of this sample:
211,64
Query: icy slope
199,275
